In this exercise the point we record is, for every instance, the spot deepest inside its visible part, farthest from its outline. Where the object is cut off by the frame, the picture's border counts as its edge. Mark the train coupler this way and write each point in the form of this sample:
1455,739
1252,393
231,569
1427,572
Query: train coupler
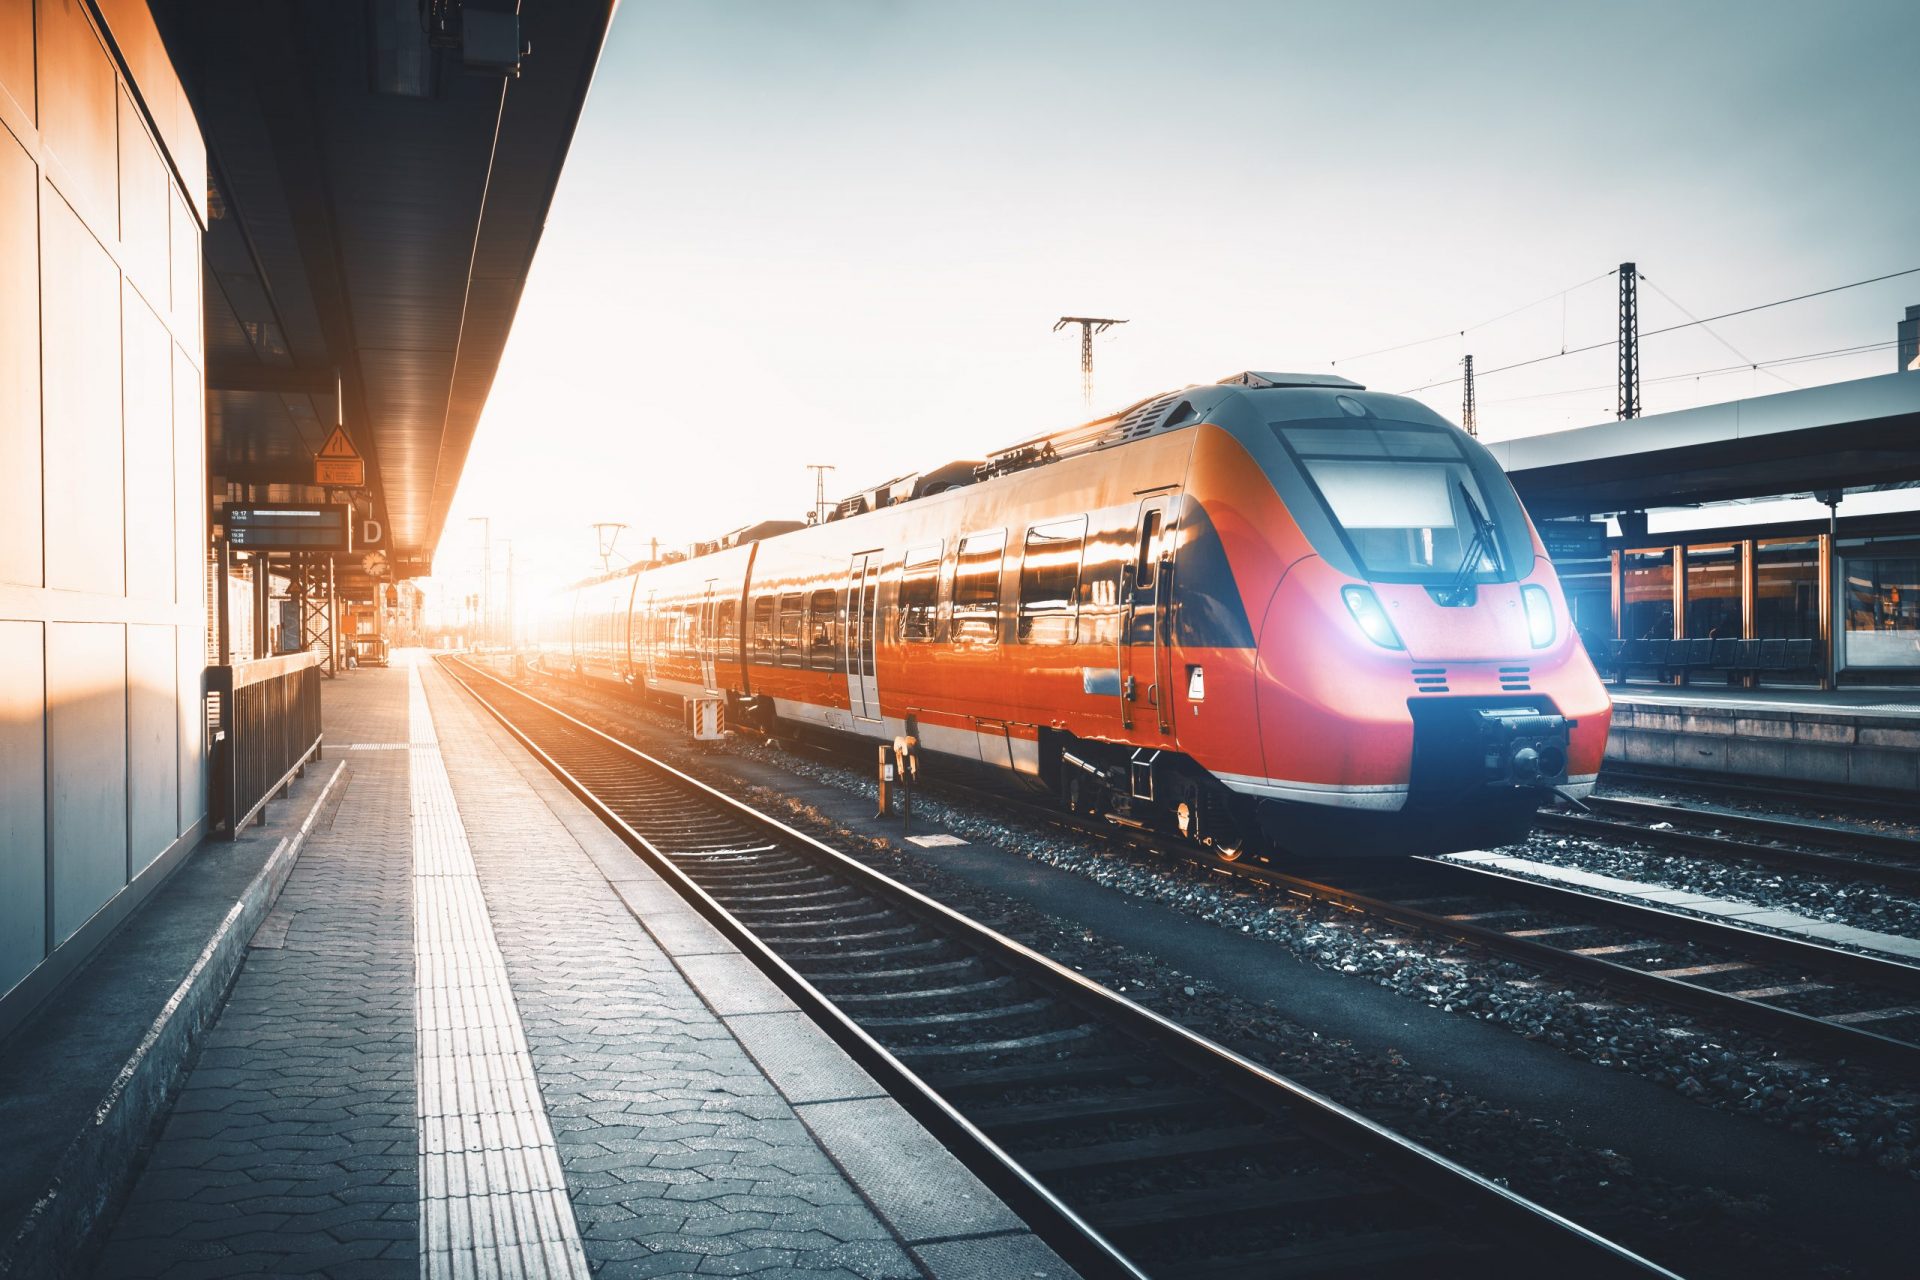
1523,747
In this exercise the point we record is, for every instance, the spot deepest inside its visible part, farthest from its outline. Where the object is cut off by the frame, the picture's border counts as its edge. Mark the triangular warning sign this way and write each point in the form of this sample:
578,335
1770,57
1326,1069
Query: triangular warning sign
337,446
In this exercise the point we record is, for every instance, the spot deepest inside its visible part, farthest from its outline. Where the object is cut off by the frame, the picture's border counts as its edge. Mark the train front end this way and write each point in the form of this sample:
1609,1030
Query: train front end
1418,683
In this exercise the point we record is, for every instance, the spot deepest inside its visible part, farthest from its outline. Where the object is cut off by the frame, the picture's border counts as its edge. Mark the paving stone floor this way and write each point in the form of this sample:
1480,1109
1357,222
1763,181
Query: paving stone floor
292,1146
703,1125
680,1154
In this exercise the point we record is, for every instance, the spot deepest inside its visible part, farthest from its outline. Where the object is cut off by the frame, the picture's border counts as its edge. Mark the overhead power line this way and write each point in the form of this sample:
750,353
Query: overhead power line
1724,315
1715,333
1762,365
1456,333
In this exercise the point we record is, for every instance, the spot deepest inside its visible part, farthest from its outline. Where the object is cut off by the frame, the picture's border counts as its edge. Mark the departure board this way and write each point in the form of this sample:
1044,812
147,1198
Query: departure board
318,526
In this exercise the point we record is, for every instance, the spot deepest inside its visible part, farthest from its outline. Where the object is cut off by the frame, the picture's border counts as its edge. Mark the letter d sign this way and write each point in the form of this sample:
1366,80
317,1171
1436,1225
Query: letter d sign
371,531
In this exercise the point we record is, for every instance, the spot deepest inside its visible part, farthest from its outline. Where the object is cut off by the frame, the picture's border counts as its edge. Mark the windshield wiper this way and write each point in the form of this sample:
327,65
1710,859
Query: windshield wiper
1483,542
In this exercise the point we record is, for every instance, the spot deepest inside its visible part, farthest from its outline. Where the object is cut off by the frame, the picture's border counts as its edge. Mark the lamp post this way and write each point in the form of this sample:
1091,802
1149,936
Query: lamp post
513,615
486,576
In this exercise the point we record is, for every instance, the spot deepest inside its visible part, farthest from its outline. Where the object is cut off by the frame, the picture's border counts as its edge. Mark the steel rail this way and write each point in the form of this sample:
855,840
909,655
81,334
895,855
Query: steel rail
1720,848
1882,800
1759,1015
1065,1231
1639,815
1819,834
1451,1186
1769,1019
1723,935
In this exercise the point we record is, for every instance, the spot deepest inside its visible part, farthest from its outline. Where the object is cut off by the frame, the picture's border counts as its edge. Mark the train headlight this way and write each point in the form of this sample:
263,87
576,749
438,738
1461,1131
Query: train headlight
1366,610
1540,628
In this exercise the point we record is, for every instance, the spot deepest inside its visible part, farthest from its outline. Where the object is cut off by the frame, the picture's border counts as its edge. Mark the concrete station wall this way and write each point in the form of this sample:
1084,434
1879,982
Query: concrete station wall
103,525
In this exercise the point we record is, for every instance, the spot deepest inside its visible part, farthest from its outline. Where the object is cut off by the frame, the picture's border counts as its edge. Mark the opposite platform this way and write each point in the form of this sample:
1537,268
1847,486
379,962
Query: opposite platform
477,1036
1847,737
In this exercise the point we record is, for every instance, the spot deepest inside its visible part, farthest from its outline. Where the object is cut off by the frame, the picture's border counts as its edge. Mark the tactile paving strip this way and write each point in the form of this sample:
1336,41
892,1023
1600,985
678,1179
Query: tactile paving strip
493,1201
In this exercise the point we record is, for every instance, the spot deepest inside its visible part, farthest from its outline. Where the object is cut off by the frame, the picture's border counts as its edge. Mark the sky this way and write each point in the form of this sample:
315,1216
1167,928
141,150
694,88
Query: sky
840,231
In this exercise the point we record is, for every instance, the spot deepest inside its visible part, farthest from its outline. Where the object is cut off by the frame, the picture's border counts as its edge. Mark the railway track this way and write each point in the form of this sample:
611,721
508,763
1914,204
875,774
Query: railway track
1838,1002
1849,854
1842,1002
1766,791
1853,1005
1133,1146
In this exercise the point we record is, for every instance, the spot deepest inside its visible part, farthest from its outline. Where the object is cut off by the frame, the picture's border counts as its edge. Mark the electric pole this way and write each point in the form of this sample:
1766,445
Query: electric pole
1089,325
606,533
1466,399
820,470
1629,342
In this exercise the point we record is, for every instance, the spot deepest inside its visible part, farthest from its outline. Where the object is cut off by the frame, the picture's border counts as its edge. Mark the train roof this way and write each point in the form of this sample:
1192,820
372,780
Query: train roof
1166,411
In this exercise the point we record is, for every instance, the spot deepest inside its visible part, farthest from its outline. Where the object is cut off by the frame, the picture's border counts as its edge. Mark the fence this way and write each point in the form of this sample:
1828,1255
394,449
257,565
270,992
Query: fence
269,728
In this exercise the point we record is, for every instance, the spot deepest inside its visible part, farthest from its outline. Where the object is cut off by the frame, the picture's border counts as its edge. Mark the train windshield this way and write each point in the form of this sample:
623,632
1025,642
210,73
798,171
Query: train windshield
1408,501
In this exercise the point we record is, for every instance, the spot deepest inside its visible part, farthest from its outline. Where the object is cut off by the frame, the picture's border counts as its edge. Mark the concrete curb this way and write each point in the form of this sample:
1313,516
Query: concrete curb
97,1168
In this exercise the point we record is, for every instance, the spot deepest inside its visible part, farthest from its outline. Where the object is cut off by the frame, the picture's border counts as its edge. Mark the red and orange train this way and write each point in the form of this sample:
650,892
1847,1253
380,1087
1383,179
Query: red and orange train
1277,610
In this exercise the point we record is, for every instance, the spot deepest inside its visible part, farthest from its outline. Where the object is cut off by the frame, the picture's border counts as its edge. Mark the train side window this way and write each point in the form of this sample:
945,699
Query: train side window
976,588
920,592
725,625
763,630
823,630
1050,581
790,655
1149,561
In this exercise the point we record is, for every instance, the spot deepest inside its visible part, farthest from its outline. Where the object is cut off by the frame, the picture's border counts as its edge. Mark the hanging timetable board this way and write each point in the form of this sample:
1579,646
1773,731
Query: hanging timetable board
288,527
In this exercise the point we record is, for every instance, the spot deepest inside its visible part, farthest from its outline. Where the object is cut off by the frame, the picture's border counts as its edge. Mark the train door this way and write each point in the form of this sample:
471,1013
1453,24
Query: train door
860,635
1145,656
649,640
707,640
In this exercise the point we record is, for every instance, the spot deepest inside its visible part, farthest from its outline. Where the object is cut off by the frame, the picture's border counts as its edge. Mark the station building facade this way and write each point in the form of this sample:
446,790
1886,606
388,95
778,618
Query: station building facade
103,525
1841,592
1851,592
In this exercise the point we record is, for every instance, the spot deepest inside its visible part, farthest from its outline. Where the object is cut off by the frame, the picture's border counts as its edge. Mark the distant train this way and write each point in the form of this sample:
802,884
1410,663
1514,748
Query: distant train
1278,611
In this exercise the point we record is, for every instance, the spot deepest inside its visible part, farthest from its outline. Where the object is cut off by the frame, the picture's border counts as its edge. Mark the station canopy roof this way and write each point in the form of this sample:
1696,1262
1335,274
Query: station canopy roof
377,192
1849,436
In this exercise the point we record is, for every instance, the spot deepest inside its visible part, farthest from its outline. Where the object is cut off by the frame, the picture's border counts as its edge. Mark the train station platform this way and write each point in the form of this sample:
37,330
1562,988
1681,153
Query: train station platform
1853,737
434,1019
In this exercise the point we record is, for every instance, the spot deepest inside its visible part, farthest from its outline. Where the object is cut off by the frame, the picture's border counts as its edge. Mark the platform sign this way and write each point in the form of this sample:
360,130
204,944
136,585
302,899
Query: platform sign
1574,539
339,464
320,526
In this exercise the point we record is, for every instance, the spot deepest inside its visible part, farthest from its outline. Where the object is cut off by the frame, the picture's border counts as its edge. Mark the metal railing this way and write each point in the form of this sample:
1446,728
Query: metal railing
269,729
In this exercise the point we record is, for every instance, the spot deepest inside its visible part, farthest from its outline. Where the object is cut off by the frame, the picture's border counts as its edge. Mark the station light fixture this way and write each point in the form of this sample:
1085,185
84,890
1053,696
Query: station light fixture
1540,626
1366,611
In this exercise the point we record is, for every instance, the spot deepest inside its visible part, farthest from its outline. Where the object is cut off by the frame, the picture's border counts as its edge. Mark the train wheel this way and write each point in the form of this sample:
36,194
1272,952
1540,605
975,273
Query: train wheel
1229,850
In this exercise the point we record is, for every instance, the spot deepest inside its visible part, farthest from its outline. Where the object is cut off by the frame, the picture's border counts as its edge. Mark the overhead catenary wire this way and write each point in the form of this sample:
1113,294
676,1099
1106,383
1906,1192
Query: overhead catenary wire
1458,333
1862,349
1672,328
1713,333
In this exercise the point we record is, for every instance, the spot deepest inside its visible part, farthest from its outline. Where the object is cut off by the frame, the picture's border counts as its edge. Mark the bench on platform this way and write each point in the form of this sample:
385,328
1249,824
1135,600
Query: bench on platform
1732,657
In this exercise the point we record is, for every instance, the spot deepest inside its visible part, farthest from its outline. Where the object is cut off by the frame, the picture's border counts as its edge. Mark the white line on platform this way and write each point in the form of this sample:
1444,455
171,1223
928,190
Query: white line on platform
493,1200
